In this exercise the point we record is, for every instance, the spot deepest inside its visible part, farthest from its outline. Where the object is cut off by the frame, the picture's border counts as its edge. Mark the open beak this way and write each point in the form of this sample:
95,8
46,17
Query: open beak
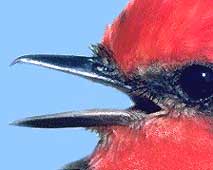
97,69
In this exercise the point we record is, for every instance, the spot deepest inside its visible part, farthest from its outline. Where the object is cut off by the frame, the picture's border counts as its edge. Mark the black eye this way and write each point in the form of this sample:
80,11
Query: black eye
197,81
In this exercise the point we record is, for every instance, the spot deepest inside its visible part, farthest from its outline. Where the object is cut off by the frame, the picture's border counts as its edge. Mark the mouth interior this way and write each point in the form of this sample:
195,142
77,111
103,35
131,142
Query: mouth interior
145,105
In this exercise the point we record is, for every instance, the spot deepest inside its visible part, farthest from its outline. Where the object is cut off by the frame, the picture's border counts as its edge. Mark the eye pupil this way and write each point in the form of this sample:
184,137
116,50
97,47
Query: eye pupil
197,81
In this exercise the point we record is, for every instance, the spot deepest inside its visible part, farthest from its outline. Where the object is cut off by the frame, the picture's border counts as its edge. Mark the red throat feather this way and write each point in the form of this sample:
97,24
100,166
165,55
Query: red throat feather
162,144
162,31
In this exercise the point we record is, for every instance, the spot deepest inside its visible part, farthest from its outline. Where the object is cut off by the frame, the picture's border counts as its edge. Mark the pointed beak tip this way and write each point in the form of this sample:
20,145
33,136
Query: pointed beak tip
21,123
14,62
16,123
18,60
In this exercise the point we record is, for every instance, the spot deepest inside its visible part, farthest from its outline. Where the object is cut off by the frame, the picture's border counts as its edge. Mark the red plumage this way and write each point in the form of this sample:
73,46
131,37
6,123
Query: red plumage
163,31
168,143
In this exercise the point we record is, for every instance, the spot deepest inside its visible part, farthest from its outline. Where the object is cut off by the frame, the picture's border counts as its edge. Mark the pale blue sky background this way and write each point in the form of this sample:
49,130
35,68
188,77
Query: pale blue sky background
58,27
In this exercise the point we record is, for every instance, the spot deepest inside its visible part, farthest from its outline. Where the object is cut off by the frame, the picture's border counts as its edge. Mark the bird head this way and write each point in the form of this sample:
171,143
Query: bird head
159,53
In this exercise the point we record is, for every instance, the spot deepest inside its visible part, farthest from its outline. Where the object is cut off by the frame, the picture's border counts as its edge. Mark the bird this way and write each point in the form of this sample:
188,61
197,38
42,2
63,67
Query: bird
159,53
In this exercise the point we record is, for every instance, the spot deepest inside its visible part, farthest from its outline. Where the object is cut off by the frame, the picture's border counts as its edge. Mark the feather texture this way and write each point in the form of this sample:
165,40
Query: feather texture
161,31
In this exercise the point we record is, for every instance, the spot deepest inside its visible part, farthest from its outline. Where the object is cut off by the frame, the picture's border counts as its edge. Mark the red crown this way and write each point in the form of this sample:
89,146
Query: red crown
161,31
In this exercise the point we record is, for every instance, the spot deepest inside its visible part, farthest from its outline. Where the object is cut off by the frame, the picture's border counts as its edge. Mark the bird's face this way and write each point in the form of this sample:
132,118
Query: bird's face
160,54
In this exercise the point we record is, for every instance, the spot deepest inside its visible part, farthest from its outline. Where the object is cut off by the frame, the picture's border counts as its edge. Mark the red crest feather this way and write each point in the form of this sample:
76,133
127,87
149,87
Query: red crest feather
163,31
